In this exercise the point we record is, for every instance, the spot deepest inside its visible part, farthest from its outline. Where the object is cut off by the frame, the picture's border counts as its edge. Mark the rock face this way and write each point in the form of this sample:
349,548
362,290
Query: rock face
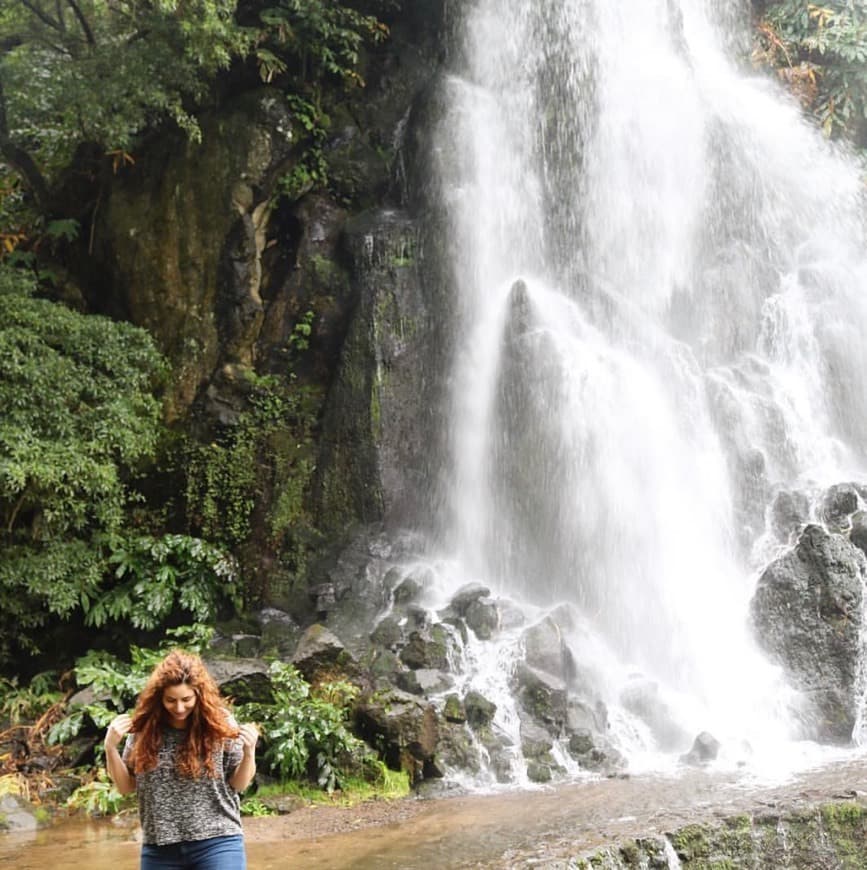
17,815
196,243
807,611
179,241
377,412
404,726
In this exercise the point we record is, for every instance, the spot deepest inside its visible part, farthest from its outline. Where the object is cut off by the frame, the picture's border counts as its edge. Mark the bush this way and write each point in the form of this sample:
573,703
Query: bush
81,419
305,734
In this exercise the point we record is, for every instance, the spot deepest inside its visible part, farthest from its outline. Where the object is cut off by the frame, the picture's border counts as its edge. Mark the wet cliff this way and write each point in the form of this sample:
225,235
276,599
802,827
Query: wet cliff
277,266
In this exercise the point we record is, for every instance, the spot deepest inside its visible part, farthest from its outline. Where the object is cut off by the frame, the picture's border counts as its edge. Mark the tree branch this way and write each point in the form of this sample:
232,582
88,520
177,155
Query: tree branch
42,16
20,160
10,42
88,33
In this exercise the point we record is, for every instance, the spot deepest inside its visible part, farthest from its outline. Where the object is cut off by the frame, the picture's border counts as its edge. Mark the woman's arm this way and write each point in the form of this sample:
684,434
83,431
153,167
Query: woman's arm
123,780
246,770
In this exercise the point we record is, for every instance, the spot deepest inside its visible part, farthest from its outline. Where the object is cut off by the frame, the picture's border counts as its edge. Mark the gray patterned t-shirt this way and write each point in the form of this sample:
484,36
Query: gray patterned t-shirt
174,808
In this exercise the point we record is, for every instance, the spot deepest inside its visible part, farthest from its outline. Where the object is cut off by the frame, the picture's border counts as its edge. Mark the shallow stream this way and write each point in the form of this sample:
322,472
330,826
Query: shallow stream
541,828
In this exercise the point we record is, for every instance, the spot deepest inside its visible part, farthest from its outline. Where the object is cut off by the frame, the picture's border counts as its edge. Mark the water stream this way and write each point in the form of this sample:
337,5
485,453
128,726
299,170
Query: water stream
658,276
544,828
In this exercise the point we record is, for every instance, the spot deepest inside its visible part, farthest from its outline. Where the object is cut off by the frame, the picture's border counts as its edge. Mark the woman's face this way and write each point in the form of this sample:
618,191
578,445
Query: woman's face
179,702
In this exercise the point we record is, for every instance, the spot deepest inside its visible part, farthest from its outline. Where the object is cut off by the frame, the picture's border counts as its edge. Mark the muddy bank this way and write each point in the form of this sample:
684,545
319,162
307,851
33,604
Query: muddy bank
556,827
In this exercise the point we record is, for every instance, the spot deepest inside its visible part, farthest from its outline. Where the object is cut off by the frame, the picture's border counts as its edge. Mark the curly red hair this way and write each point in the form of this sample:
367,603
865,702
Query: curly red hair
209,722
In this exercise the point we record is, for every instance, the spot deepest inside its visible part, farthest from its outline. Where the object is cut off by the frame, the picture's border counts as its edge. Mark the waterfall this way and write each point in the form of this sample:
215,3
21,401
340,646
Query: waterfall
658,281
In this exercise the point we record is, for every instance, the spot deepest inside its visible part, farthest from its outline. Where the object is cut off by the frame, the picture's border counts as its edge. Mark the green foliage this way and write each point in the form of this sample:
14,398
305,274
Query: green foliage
379,783
311,169
27,703
299,340
821,51
80,419
323,37
303,732
220,486
99,797
105,74
158,575
79,415
253,806
270,445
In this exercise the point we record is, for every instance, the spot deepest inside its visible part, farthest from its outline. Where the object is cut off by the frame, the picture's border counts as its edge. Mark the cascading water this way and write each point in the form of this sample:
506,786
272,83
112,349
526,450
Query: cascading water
660,298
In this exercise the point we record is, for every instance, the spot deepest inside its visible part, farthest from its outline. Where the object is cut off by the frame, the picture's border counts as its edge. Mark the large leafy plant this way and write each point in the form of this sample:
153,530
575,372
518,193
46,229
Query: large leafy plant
305,733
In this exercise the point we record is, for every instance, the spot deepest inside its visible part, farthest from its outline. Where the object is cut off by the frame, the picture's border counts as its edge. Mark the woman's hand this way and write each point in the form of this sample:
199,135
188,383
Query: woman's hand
249,734
117,770
246,770
117,729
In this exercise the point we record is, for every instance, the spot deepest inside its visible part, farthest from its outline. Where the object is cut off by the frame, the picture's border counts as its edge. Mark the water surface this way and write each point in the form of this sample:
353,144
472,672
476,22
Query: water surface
510,830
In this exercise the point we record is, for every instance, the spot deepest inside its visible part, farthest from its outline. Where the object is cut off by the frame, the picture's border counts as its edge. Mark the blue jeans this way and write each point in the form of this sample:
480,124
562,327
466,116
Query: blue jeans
217,853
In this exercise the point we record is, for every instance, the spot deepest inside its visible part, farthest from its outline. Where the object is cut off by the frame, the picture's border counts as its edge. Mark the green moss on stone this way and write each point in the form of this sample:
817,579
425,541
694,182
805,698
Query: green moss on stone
691,842
848,813
630,854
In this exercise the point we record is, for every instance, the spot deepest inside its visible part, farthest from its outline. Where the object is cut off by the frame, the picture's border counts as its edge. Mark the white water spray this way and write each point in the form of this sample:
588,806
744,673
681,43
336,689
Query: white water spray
661,294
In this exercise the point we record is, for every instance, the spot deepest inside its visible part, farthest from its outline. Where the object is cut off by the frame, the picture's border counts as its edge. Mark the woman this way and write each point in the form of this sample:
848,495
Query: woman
188,760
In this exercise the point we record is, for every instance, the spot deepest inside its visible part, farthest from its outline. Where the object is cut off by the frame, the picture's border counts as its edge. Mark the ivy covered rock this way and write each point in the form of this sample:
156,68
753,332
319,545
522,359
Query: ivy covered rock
243,680
405,726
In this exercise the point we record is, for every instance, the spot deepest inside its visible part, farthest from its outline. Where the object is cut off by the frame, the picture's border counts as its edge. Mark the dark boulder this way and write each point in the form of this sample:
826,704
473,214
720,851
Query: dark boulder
807,614
405,726
243,680
858,533
705,748
320,652
789,512
479,710
838,504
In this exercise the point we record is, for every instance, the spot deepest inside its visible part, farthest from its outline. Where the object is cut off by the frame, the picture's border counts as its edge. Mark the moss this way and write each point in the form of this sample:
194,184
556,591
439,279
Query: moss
742,823
691,842
831,835
849,813
326,271
845,826
630,854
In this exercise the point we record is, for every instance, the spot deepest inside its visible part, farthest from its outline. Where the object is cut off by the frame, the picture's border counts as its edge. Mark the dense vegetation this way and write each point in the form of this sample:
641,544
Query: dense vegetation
81,417
112,519
88,534
305,730
820,50
94,75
